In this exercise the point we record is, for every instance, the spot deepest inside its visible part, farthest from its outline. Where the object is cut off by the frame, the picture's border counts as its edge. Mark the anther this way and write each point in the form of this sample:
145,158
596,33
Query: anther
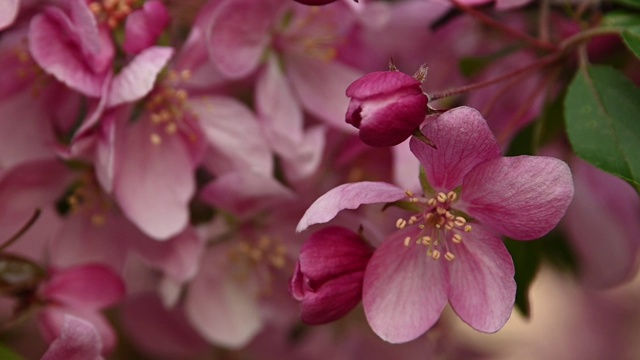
401,223
452,196
435,255
421,226
457,238
409,193
432,202
413,220
449,256
407,241
426,240
156,139
442,197
441,210
467,228
460,221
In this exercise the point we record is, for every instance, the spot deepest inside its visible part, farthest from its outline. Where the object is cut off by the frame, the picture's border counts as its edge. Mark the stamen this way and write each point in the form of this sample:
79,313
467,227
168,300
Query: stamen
401,223
413,220
426,240
421,226
156,139
407,241
435,254
452,196
432,202
457,238
460,221
441,210
409,193
449,256
467,228
442,197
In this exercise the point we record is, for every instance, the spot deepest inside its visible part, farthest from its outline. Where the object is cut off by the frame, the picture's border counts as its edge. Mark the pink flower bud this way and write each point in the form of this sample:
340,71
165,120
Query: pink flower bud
328,276
387,107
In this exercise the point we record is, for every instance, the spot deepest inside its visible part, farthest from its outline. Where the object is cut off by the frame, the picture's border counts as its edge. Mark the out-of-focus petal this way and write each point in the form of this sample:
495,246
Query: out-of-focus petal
8,12
482,289
348,196
91,286
404,290
463,140
136,80
78,340
223,308
523,197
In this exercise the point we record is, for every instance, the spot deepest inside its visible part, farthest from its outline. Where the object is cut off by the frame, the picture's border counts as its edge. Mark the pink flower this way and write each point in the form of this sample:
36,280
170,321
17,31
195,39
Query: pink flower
144,26
328,276
449,249
387,107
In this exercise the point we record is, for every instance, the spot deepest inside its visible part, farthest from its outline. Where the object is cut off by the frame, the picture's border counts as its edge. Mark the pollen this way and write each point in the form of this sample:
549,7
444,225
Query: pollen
155,139
401,223
449,256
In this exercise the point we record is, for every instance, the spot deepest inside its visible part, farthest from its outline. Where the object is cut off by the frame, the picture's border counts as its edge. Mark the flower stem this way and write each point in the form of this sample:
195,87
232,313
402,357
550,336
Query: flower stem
21,231
542,62
544,45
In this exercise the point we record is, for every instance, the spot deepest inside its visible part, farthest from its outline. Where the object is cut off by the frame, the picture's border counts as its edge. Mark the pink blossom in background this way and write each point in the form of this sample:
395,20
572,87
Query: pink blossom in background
78,340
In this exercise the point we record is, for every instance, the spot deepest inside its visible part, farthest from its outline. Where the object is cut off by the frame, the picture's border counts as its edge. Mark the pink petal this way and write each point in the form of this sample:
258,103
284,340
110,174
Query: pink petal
404,290
85,286
239,34
154,182
178,257
136,80
463,140
51,321
245,193
8,12
222,308
510,4
234,134
143,26
482,288
604,207
348,196
158,330
78,340
48,44
523,197
320,87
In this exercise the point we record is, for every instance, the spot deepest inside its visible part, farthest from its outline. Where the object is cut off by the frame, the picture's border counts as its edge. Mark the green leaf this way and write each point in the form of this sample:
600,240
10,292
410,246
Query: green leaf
631,37
526,259
602,113
630,3
7,354
621,19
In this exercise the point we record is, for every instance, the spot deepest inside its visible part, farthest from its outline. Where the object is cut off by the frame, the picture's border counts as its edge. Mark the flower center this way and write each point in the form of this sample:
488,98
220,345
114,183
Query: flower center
438,223
259,259
112,12
168,110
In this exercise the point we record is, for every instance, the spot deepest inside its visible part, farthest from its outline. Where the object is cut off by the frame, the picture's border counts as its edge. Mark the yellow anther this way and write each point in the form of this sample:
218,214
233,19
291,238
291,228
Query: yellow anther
156,139
171,128
435,254
442,197
185,74
467,228
421,226
449,215
407,241
428,216
457,238
460,221
98,219
413,220
426,240
449,225
452,196
401,223
441,210
449,256
432,202
409,193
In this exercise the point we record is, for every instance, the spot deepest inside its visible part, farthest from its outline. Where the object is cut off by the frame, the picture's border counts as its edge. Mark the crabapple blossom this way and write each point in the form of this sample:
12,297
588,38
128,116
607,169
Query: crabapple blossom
449,248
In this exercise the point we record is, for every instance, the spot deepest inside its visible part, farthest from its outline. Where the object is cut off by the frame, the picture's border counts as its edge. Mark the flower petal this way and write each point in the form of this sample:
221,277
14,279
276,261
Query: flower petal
137,78
348,196
85,286
463,140
604,207
221,307
523,197
482,288
8,12
404,290
78,340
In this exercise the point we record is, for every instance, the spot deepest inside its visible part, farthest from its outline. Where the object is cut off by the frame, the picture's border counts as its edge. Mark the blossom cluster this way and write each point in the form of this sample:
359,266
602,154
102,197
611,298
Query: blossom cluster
173,174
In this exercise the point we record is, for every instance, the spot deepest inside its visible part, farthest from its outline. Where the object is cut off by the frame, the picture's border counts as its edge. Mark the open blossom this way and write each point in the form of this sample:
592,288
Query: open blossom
387,106
449,248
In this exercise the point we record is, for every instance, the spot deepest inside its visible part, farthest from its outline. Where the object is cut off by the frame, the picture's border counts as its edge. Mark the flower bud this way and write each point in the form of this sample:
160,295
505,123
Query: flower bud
328,276
387,107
